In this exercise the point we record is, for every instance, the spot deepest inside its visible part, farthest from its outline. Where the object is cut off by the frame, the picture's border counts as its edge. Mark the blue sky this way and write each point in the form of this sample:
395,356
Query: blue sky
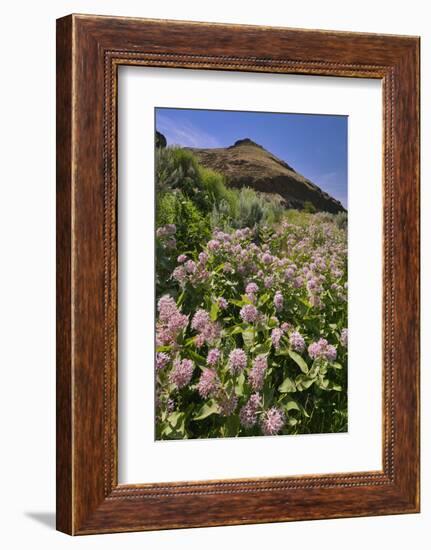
314,145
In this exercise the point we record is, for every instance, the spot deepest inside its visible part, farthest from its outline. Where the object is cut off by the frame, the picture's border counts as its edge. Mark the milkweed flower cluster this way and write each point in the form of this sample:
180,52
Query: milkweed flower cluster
278,301
166,230
191,271
201,320
208,383
257,372
251,289
249,313
213,356
276,336
162,360
166,235
322,350
249,412
297,342
237,361
182,372
171,322
251,333
222,303
208,331
228,404
273,421
344,337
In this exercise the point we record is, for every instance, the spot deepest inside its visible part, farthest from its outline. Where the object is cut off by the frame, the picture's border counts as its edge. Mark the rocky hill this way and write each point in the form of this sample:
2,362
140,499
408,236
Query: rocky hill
245,163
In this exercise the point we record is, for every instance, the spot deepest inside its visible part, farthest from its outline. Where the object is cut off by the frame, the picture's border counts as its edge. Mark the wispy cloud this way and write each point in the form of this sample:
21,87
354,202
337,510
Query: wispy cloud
184,133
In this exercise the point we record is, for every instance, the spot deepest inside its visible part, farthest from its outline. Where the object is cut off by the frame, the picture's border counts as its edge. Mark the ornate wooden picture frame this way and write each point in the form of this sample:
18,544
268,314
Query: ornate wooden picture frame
89,51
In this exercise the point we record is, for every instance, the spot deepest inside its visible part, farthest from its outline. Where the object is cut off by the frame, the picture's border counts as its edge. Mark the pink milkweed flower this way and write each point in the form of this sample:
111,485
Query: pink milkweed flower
179,274
257,373
273,421
171,321
199,340
200,320
171,243
190,266
344,337
278,301
297,342
330,353
213,356
170,229
208,383
266,258
166,230
248,413
268,281
182,373
177,322
213,245
298,282
162,360
181,258
251,288
203,258
228,404
276,336
249,313
322,350
237,361
315,350
167,307
289,273
312,283
222,303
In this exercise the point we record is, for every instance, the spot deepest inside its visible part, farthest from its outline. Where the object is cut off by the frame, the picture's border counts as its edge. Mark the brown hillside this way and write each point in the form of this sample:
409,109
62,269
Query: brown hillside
248,164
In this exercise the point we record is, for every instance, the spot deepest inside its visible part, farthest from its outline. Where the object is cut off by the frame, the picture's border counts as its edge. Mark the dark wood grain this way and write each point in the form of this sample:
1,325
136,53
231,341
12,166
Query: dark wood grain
64,496
90,49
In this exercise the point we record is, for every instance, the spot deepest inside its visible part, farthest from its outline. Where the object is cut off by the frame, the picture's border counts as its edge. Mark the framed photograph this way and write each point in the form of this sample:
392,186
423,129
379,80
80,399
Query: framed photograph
237,274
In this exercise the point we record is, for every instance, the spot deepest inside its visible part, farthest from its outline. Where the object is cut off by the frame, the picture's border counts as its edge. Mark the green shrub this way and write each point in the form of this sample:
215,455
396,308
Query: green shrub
309,207
341,220
192,225
178,168
250,208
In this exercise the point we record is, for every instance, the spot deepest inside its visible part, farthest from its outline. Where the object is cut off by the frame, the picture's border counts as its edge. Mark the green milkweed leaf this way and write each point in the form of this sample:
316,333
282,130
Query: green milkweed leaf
299,361
303,382
291,406
214,311
176,419
206,410
263,299
287,386
164,348
232,425
239,388
248,337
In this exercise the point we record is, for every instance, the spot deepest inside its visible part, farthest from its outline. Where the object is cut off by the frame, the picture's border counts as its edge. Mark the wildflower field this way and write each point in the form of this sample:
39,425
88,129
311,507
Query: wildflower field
251,327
